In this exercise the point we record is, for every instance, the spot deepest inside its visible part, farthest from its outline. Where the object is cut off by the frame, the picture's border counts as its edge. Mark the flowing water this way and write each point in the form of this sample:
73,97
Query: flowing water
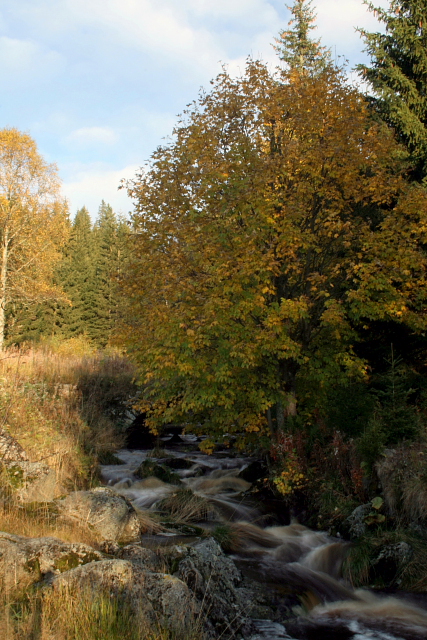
286,559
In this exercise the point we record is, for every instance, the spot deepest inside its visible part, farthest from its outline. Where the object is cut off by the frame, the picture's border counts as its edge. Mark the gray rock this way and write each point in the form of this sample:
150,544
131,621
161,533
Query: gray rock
10,449
154,597
28,560
399,553
357,520
268,630
136,554
111,516
29,481
214,579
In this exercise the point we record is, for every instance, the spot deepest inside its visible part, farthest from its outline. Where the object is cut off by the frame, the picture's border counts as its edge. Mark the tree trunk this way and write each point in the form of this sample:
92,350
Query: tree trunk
3,285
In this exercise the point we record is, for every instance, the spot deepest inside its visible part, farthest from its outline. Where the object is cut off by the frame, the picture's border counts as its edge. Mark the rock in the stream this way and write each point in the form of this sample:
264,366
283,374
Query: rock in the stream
214,579
154,597
111,516
26,560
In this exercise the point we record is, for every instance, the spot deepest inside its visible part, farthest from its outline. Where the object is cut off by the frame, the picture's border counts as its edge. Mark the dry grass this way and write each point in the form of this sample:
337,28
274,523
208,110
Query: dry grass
39,520
149,522
183,506
43,405
403,476
70,615
57,423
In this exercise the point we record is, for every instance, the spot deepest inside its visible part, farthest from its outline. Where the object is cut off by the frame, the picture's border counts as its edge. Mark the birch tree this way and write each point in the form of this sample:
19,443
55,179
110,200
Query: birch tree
33,222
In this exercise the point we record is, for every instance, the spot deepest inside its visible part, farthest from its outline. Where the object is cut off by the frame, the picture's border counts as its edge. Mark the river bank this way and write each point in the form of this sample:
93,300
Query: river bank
169,543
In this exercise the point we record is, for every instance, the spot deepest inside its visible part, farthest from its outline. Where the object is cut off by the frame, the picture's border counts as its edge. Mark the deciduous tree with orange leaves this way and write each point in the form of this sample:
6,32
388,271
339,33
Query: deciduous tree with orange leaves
33,222
276,222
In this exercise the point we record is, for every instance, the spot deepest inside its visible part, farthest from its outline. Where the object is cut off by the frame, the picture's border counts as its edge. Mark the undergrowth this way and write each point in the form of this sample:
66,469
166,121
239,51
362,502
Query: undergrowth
362,567
59,406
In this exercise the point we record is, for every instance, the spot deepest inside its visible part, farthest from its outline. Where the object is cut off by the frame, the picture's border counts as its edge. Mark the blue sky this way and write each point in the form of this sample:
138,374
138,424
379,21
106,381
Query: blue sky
99,83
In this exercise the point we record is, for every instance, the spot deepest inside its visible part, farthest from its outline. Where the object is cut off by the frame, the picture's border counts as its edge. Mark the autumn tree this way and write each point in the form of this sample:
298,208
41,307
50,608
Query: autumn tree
275,224
398,74
33,222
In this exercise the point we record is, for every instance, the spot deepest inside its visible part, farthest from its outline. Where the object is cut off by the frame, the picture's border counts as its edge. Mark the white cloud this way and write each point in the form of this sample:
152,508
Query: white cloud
88,136
180,34
24,62
89,185
338,19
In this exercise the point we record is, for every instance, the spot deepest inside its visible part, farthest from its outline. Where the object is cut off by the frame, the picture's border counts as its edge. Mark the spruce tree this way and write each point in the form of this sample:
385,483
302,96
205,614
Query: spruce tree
109,238
78,277
398,75
294,45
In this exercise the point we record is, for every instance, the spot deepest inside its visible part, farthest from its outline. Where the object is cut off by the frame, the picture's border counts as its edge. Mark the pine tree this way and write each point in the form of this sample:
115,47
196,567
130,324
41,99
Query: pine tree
294,45
78,277
398,74
109,235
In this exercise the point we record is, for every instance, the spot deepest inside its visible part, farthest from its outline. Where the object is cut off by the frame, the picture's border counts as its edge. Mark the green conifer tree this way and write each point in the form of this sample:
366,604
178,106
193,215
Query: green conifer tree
109,235
398,74
78,277
294,45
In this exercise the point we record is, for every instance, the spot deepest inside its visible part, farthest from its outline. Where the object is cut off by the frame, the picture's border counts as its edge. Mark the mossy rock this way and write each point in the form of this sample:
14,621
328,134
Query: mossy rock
33,567
107,457
150,468
178,463
184,529
14,476
72,560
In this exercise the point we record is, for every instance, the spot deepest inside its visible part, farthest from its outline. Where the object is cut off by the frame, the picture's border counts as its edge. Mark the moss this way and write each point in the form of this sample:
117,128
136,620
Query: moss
150,468
225,536
107,457
15,476
184,529
33,567
72,560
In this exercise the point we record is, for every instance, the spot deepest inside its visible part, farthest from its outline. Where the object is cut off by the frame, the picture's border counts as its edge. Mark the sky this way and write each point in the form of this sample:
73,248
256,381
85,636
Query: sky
99,83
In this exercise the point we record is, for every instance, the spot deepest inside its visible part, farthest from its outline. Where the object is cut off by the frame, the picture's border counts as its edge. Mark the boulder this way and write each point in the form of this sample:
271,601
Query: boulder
111,516
28,560
134,553
177,463
10,449
390,560
29,481
156,598
138,435
149,468
357,520
254,471
214,579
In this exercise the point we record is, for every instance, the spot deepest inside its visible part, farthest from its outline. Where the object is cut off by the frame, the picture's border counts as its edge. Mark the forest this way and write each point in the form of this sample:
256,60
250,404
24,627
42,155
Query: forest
267,294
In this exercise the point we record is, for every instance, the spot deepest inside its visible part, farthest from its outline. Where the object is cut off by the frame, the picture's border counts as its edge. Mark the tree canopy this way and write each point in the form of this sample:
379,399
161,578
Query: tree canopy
33,222
276,222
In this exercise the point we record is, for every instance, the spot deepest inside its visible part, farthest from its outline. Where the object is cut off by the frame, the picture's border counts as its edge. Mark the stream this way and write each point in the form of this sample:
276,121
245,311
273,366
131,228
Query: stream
285,557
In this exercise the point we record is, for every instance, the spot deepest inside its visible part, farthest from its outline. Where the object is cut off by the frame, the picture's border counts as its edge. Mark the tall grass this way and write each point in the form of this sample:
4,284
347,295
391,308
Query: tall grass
67,614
